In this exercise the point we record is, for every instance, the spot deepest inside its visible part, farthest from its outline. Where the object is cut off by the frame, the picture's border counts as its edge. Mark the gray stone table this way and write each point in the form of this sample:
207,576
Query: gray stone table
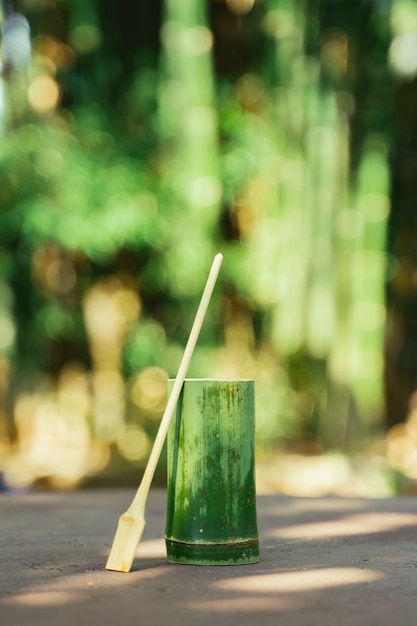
328,561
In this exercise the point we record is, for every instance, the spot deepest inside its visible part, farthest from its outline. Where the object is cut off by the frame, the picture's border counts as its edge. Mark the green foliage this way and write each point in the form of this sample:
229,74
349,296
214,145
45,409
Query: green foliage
154,156
143,347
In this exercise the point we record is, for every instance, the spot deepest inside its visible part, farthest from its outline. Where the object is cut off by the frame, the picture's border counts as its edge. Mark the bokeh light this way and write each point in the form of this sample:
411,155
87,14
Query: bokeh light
240,7
130,153
44,94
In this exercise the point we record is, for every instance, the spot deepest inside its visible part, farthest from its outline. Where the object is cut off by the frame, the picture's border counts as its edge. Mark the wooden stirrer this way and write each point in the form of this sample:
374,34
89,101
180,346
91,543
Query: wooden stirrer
132,522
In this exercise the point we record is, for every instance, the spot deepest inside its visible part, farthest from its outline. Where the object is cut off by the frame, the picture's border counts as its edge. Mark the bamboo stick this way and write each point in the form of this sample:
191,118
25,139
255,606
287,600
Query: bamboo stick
132,522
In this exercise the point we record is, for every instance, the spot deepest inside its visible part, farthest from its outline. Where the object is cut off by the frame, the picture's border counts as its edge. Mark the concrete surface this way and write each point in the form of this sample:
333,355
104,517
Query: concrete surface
323,561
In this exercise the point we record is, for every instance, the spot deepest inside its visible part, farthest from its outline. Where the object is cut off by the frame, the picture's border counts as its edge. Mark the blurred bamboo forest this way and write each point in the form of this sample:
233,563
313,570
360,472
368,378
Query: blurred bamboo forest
140,138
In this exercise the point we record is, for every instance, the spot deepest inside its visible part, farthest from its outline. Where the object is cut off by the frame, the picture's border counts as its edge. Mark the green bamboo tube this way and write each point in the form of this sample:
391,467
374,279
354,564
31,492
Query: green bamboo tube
211,511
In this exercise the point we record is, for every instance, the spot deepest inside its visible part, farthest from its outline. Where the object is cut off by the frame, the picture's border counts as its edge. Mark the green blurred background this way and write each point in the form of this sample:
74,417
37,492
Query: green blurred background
141,138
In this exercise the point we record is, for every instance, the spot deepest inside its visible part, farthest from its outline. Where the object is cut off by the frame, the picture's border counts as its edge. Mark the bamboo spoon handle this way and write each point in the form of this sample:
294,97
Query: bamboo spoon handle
136,505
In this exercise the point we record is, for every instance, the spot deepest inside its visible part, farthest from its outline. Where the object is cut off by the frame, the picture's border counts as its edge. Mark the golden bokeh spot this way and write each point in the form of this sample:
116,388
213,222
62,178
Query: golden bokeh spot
148,390
61,54
44,94
240,7
133,443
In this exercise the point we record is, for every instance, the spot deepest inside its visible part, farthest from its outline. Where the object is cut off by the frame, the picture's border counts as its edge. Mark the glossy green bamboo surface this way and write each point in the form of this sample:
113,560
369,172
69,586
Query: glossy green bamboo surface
211,512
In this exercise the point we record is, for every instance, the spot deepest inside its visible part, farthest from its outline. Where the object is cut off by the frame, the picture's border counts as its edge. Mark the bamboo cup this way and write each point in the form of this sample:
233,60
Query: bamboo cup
211,509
